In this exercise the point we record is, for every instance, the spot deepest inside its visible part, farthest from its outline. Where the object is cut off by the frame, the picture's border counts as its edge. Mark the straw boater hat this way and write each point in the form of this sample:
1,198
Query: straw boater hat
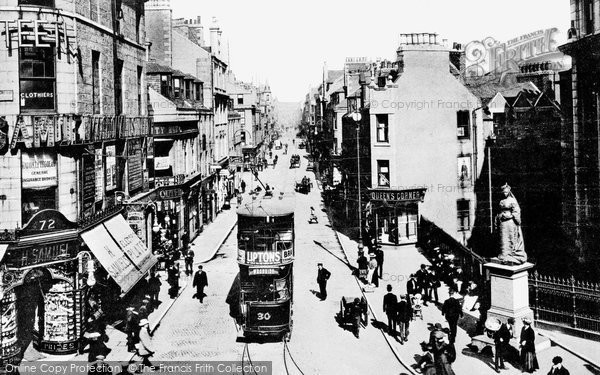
100,357
439,335
492,324
527,320
144,322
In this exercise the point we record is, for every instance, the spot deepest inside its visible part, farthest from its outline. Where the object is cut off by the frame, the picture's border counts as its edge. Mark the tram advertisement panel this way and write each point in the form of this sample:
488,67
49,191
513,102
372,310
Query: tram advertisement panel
268,314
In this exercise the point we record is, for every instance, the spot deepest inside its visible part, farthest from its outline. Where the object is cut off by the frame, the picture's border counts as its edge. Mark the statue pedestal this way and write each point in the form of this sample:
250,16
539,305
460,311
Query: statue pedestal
509,292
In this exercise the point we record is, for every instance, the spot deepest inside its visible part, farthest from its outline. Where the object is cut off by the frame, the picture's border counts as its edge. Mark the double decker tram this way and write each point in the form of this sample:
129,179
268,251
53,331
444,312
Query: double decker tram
266,256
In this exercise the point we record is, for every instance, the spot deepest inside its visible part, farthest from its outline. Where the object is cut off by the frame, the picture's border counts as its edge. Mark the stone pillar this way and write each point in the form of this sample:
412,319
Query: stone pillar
509,292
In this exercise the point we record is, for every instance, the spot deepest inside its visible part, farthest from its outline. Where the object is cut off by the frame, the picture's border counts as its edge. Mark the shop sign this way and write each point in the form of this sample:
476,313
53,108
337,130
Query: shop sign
134,164
6,95
162,163
397,195
268,257
99,176
56,347
46,221
169,181
111,167
38,170
130,243
35,255
88,181
37,33
170,193
37,94
136,219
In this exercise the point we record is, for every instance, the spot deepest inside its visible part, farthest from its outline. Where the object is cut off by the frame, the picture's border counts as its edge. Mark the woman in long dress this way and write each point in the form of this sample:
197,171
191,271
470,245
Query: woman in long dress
508,222
527,343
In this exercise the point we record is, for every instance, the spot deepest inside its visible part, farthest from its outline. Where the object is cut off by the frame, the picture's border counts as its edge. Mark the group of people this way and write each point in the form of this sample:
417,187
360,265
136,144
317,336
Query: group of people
399,313
370,270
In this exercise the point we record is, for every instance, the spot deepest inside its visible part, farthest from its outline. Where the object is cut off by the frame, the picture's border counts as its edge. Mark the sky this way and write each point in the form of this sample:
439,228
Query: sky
286,43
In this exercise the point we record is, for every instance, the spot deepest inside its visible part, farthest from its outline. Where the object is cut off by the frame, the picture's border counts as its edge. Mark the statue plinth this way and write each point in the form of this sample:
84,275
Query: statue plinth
509,292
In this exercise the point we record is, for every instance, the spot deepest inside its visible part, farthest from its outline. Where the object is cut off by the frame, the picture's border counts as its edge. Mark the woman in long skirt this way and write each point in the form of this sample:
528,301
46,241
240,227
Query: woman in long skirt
528,358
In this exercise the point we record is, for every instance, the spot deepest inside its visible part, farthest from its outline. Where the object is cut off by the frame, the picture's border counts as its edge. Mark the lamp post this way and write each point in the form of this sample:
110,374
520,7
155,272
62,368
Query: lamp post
490,140
357,117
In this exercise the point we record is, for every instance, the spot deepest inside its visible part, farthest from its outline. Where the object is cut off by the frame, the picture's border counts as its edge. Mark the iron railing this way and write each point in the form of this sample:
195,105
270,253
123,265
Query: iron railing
565,302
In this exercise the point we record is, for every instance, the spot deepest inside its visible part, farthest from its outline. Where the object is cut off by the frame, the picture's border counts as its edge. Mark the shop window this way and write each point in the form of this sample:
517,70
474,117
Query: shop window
119,88
240,99
462,124
463,209
96,96
37,79
383,172
40,3
382,128
198,91
177,89
165,85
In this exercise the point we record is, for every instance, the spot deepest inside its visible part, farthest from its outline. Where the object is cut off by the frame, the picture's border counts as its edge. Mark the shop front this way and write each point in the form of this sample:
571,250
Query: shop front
394,215
41,291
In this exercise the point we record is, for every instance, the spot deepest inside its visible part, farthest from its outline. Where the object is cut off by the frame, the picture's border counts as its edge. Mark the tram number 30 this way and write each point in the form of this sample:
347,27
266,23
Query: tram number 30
263,316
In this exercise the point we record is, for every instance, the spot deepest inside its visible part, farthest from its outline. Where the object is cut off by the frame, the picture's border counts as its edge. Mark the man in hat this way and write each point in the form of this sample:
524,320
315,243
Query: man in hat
322,276
379,258
422,276
437,327
200,282
390,302
404,315
412,286
444,354
145,348
557,367
356,311
131,328
501,341
100,367
189,262
154,288
452,310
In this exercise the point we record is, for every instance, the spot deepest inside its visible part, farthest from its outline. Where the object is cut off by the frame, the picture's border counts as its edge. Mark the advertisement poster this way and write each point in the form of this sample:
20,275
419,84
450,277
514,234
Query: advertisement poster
130,243
88,181
39,170
111,167
134,164
135,218
99,176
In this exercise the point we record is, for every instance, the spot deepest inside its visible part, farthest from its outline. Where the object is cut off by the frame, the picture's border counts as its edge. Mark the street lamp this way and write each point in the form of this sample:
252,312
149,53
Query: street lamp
357,117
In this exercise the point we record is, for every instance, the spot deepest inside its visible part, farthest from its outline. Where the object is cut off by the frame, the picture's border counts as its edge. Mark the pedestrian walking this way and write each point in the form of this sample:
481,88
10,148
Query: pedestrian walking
173,279
437,327
452,310
154,285
99,367
404,315
379,259
243,186
444,354
200,282
422,276
97,346
132,322
390,303
322,276
145,349
189,262
363,266
144,309
529,361
412,286
372,278
557,367
434,284
356,313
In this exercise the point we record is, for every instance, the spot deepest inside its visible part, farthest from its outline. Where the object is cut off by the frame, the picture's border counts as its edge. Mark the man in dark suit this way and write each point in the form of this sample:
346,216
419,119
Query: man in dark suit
379,259
501,341
200,282
452,310
412,286
423,280
322,276
557,367
390,303
404,315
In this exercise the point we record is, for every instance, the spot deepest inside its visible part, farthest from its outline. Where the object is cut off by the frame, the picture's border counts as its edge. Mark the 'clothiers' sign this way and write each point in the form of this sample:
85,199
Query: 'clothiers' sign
392,196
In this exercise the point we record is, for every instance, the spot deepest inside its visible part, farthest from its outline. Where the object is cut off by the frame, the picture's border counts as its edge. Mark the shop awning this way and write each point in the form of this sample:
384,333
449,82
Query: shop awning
3,248
120,251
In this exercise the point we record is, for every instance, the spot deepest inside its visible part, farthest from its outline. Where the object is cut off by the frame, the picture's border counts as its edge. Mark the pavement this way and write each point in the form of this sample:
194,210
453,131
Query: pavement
399,263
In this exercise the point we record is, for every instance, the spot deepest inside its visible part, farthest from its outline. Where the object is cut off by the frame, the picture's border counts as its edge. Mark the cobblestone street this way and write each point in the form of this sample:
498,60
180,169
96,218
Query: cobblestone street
194,331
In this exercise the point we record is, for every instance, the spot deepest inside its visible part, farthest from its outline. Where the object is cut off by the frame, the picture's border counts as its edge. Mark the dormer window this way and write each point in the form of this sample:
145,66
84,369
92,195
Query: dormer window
165,85
198,91
177,89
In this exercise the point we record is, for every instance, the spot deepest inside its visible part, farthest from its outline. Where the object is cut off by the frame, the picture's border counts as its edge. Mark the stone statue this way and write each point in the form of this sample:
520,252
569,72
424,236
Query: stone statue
508,225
